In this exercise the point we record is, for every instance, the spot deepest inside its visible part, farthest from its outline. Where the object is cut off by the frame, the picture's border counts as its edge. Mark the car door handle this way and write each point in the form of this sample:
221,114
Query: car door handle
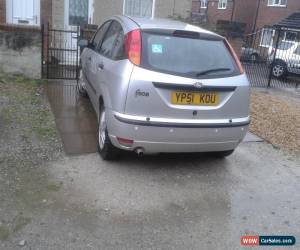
100,66
90,59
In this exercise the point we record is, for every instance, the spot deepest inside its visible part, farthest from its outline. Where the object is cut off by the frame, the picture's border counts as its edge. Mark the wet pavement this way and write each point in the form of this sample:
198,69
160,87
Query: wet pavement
74,116
76,120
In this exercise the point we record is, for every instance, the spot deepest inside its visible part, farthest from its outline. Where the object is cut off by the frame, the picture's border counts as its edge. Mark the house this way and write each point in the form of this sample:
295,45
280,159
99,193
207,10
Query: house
271,12
68,13
227,10
256,14
25,13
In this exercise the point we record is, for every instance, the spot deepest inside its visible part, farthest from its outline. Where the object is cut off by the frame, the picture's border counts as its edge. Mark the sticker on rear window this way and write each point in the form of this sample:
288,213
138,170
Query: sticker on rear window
157,48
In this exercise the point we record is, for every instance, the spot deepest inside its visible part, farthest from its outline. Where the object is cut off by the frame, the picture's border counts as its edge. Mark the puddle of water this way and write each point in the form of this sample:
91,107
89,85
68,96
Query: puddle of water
74,116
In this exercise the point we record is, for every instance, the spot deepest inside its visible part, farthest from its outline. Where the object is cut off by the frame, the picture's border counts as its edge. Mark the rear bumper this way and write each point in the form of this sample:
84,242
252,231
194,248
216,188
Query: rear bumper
156,135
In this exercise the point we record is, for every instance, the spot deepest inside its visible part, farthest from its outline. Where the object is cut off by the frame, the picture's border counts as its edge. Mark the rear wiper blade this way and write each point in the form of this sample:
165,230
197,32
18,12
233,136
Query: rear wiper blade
211,71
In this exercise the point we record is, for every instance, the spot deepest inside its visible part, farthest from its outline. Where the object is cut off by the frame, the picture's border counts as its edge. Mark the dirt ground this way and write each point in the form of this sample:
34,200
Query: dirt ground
276,118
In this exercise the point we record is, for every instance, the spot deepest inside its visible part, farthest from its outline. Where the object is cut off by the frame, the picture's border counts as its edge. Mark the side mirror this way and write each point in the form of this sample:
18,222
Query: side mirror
83,43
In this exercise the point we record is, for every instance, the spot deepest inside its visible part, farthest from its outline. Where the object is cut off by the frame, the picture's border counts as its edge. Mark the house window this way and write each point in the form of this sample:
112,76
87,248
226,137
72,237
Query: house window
266,39
78,12
139,8
222,4
23,12
277,3
290,36
203,4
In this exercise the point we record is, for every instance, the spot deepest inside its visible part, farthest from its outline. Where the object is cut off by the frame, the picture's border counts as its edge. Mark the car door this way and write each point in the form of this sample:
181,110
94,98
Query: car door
108,65
295,61
88,58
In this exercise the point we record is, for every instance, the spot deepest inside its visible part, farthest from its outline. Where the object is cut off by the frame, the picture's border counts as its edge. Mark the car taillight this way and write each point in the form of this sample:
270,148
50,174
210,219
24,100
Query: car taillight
133,46
235,57
125,142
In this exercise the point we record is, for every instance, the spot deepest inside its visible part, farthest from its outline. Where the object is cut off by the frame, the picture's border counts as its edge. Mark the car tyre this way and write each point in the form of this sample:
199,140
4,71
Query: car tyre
223,154
106,149
279,69
80,86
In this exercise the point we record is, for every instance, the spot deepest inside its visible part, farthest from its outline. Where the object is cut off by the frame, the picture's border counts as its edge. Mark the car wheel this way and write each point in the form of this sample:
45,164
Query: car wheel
279,69
254,58
106,149
80,86
223,154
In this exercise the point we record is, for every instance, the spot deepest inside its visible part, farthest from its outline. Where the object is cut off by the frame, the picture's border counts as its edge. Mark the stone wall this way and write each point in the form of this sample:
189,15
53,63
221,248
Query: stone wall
20,50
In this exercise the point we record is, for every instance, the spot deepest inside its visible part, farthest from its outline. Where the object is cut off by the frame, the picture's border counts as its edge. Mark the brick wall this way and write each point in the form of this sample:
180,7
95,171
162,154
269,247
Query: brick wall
215,14
269,15
245,13
46,11
2,11
236,44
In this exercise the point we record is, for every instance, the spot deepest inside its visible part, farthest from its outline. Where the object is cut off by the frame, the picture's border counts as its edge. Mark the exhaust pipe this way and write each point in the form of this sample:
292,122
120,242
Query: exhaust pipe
140,152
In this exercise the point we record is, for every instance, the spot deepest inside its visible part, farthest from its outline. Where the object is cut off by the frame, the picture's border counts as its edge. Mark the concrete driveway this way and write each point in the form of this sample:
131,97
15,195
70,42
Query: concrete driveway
157,202
165,202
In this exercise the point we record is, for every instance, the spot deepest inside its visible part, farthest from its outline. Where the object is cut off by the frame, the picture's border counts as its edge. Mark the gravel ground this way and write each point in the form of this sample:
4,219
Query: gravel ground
276,118
28,139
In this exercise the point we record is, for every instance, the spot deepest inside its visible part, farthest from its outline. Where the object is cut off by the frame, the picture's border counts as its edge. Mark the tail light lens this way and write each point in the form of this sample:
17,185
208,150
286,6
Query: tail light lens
125,142
235,57
133,46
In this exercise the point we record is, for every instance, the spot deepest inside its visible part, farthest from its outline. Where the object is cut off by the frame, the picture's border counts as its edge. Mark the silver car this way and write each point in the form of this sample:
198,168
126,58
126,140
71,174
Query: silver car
159,85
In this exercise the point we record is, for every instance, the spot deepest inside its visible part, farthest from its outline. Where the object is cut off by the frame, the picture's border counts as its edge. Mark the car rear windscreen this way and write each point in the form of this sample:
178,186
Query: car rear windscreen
187,55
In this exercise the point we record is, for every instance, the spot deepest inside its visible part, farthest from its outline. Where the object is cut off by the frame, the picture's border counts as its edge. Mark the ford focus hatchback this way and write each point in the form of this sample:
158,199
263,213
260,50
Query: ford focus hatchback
164,86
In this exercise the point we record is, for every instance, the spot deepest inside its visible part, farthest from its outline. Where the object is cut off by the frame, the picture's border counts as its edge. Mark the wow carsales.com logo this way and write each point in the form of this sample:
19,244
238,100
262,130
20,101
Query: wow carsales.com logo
268,240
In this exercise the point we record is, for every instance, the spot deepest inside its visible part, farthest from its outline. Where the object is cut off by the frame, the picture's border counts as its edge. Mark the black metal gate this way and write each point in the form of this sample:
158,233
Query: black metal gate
271,57
60,53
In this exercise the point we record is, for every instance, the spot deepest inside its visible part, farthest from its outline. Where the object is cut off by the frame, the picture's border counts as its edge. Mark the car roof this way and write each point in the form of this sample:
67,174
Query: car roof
159,23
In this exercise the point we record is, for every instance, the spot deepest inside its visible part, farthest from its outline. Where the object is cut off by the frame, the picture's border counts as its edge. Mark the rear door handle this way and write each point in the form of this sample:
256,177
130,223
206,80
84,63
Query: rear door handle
100,66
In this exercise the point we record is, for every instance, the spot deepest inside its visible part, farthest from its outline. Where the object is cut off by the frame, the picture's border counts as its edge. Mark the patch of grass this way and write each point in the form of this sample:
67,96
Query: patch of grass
20,223
54,186
25,105
42,124
4,233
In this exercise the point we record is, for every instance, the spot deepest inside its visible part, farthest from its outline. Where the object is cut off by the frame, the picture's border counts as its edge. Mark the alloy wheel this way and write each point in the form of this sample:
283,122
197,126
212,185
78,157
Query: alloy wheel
102,130
278,70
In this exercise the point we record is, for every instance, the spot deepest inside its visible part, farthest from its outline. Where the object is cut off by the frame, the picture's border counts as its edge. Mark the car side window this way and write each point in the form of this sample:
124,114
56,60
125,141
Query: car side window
108,43
100,34
118,52
297,51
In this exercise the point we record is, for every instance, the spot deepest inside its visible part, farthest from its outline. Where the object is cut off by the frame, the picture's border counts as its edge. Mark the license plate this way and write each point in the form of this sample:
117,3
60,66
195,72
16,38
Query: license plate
196,98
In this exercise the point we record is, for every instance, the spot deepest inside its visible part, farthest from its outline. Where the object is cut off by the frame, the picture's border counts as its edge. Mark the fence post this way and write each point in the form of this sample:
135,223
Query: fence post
42,52
47,59
77,55
274,55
